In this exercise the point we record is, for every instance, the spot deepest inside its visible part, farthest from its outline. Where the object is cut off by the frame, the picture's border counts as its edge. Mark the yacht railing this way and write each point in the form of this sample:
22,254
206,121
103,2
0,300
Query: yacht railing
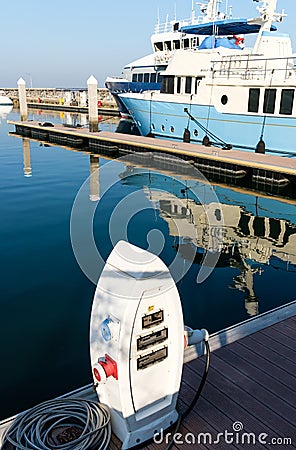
252,68
168,26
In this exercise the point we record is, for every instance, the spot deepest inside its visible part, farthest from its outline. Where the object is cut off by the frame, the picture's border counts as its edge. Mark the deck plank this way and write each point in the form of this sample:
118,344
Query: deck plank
280,337
286,329
292,320
272,344
290,326
268,352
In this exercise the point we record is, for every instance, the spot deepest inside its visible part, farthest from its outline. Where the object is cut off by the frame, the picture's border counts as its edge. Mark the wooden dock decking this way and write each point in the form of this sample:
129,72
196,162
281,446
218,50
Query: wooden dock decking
270,162
241,167
251,388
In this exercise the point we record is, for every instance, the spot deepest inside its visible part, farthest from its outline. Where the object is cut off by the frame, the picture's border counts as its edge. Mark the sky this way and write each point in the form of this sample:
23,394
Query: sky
60,43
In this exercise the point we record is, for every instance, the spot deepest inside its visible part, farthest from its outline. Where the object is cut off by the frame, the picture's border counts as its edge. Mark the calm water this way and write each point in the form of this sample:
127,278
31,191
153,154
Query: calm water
45,297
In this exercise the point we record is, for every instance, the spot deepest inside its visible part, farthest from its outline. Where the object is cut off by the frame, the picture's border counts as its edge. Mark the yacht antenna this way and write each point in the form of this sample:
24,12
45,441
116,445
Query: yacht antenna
211,10
158,22
230,12
192,11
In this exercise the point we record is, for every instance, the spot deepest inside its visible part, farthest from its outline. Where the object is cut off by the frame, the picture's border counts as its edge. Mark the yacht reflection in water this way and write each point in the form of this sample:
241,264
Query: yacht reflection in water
249,241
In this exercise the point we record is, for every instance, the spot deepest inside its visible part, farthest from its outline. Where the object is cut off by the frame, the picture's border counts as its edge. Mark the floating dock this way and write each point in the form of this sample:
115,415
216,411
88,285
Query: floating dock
250,389
267,172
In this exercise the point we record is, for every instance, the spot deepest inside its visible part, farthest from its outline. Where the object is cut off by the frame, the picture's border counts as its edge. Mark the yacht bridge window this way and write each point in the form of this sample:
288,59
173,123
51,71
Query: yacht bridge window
159,77
177,44
153,77
158,46
168,45
185,43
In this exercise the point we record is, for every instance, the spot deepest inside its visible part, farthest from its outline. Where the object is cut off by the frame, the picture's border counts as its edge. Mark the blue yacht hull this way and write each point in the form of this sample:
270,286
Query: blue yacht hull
168,120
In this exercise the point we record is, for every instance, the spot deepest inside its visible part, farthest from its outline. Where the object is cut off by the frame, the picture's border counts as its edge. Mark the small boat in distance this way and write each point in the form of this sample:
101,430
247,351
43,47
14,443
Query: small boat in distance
4,111
4,100
146,73
223,94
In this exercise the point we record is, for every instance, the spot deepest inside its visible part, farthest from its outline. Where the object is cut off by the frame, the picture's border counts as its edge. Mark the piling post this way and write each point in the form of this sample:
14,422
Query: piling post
22,99
92,87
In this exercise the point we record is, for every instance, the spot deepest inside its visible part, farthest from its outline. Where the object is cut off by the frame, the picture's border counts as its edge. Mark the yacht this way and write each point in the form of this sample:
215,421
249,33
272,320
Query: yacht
146,73
224,94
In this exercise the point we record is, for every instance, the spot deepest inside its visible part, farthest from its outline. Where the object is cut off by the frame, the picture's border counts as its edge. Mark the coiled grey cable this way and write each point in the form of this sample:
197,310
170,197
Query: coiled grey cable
77,423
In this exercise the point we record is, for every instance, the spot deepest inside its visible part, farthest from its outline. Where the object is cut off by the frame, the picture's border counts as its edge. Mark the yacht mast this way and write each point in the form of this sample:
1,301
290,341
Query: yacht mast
268,15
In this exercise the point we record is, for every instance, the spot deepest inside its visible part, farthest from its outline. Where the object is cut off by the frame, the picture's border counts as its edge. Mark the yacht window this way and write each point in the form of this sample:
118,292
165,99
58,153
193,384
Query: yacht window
167,85
224,99
192,42
159,77
168,45
140,77
269,101
158,46
178,85
254,95
188,85
176,26
153,77
185,43
195,42
197,82
176,45
134,77
287,99
146,77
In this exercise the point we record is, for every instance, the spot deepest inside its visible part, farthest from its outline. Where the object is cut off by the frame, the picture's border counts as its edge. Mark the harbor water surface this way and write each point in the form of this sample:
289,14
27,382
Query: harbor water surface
46,298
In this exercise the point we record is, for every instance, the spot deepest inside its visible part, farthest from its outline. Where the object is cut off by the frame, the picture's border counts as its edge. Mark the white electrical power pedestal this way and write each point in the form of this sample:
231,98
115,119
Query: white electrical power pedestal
137,343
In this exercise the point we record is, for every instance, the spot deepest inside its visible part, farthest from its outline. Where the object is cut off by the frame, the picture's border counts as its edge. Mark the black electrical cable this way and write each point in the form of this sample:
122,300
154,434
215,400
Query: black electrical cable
78,424
183,415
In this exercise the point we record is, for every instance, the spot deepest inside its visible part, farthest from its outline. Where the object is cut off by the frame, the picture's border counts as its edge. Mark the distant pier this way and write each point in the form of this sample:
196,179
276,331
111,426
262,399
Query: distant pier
62,99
